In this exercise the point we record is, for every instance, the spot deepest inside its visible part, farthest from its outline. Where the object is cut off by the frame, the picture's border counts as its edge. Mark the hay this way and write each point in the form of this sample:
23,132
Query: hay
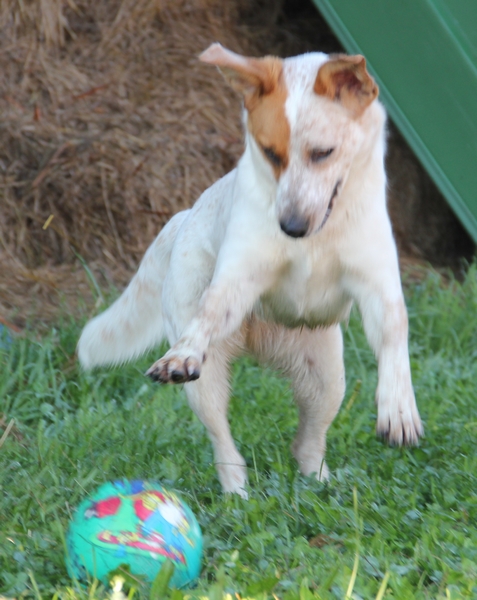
110,125
113,136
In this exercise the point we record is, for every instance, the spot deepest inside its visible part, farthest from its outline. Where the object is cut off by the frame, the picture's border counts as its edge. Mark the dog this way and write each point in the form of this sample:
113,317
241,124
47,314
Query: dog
271,257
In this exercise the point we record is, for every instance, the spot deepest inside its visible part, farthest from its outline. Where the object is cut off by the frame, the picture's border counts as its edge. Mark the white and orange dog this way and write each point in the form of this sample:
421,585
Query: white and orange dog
272,256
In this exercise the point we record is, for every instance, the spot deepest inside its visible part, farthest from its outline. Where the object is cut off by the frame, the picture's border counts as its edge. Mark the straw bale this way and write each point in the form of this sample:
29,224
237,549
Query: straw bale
110,125
108,137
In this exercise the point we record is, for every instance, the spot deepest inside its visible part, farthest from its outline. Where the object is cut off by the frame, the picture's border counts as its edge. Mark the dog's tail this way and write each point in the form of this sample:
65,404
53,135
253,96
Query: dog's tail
134,323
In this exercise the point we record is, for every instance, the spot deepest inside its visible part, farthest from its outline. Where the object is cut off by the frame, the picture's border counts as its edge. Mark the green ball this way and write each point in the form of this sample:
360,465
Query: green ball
135,523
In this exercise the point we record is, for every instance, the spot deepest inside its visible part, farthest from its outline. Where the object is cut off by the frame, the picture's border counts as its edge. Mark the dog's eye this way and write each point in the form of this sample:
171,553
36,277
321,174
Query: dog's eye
317,155
272,156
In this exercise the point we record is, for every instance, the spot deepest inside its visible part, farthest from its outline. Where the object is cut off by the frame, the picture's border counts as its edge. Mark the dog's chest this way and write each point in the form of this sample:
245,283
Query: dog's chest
308,292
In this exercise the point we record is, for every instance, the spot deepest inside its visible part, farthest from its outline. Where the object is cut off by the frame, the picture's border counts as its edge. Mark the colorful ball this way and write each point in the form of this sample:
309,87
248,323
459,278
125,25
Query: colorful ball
139,524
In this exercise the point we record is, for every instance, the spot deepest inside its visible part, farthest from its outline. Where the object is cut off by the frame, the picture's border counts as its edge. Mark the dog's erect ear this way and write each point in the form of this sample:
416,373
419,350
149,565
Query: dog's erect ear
345,79
252,77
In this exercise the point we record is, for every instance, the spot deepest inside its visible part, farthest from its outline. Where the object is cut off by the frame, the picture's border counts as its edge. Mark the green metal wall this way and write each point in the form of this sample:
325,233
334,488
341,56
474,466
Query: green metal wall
423,54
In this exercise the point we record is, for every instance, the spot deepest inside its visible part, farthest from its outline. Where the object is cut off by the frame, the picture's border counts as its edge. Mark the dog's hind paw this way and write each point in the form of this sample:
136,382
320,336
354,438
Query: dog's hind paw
233,478
175,367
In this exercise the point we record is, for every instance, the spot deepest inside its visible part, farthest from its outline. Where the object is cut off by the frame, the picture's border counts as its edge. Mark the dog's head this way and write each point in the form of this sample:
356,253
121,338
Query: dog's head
306,123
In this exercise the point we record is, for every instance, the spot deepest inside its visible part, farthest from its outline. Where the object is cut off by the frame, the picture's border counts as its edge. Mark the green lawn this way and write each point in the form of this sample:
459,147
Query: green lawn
392,523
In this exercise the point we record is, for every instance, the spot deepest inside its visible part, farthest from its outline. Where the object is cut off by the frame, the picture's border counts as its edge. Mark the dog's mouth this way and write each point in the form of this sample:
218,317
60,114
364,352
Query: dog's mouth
296,225
330,204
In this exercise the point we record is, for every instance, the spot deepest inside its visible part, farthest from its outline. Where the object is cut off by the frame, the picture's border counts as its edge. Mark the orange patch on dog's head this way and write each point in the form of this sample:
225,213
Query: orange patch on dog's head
268,123
261,82
346,79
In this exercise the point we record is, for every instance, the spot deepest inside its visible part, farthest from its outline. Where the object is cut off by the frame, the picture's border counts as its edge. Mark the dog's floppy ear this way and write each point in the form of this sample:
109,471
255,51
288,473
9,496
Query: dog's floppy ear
346,79
252,77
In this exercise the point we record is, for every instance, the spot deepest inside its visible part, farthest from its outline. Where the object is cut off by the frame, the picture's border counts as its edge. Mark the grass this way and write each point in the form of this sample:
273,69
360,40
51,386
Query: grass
391,523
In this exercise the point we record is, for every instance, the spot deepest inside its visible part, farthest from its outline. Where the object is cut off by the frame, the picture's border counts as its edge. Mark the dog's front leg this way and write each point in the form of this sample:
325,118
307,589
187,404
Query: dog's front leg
386,325
222,309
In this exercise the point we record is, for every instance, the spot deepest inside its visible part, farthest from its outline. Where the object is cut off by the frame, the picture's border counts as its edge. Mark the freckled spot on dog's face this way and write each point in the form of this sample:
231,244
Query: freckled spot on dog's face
307,188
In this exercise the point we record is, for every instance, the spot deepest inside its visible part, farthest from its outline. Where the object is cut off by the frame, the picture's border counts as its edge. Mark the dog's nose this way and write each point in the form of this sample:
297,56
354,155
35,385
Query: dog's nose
295,226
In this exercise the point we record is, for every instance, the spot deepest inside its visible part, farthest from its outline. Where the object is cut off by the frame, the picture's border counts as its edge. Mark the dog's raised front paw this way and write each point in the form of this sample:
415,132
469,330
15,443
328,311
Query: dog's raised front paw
400,425
176,366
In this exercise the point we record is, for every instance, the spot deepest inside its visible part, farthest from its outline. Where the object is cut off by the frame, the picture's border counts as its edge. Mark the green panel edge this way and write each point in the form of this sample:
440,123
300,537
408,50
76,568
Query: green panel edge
455,200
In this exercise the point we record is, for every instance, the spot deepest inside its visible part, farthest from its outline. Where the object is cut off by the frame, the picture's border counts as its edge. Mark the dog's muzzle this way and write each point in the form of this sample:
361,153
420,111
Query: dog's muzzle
297,226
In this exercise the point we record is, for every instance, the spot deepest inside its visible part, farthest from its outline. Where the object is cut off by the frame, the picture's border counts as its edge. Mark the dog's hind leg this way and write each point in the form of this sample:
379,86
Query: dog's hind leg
319,386
209,397
313,359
